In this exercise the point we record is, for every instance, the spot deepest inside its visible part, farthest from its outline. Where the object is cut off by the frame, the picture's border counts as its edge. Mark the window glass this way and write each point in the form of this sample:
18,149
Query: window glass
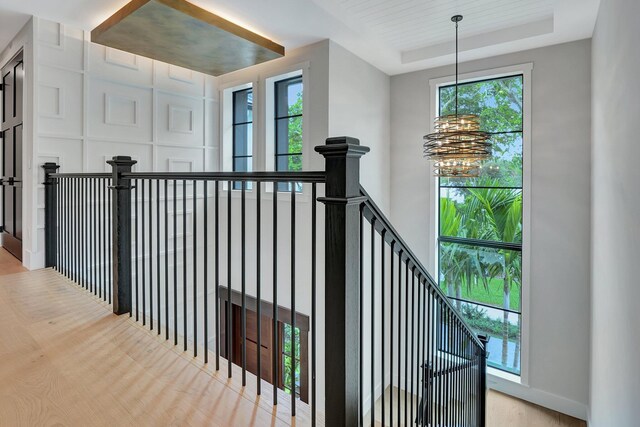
480,221
287,365
481,213
242,133
288,128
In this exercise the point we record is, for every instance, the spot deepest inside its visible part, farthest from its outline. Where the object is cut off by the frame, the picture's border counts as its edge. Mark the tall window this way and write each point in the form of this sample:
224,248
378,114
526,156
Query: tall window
480,221
242,132
288,127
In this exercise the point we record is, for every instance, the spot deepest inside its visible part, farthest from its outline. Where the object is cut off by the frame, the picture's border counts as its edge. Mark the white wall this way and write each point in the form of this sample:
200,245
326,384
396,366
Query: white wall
359,106
93,103
560,220
615,339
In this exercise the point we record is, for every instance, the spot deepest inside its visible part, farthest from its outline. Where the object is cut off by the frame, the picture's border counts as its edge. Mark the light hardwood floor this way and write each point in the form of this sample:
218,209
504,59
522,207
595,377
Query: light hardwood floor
9,264
507,411
65,359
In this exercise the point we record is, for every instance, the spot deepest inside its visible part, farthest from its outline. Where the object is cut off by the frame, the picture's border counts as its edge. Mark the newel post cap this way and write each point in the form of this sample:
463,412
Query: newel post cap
342,146
122,161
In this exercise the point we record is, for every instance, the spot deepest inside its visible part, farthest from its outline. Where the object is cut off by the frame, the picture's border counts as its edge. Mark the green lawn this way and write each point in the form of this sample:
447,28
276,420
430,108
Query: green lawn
492,295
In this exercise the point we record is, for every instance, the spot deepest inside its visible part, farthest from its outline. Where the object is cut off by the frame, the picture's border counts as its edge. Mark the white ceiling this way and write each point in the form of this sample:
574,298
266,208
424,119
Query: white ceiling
395,35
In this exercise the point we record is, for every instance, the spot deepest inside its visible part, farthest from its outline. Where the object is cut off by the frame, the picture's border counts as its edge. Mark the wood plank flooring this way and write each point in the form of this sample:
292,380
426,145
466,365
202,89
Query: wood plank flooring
9,264
507,411
67,360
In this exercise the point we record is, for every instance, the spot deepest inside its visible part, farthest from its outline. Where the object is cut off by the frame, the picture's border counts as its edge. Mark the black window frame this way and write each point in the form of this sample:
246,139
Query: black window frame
284,186
234,123
476,243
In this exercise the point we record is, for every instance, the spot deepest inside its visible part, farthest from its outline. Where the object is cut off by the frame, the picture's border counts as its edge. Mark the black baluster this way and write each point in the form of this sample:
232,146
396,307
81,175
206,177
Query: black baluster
372,398
361,316
243,313
447,366
429,384
399,334
391,295
382,312
293,299
158,253
166,258
275,295
419,360
194,242
217,275
175,262
423,355
151,255
184,263
83,233
205,264
74,199
313,303
258,287
144,255
413,333
406,341
109,243
227,323
86,232
136,245
94,235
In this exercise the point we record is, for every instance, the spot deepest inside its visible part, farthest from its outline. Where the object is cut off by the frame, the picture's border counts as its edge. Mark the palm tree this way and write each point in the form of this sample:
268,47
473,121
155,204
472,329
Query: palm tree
502,212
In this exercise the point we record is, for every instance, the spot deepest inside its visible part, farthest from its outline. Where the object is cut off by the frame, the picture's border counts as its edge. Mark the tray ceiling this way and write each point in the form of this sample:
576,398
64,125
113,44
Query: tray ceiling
397,36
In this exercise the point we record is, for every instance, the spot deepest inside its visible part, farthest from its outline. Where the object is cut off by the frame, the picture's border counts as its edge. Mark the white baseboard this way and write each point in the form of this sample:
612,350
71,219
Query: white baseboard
539,397
31,260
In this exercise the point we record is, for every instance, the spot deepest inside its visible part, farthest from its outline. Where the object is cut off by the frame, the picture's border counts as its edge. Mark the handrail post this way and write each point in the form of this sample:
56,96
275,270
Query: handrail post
483,381
342,274
121,234
50,215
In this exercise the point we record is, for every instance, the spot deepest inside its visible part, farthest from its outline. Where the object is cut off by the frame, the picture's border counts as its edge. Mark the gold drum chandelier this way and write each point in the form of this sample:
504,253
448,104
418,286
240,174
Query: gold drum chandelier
457,146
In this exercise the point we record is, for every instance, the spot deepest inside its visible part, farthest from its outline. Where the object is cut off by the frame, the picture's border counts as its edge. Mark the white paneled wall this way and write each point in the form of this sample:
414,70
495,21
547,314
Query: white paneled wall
93,103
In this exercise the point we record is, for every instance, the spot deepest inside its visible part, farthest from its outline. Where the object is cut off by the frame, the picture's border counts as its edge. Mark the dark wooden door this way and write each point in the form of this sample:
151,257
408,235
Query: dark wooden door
266,353
12,91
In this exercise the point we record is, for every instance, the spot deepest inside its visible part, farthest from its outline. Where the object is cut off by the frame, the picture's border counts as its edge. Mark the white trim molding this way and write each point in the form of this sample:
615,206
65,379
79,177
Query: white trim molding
432,248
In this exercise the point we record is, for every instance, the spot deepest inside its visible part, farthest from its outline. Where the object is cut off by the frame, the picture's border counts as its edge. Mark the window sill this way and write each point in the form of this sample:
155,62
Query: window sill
494,375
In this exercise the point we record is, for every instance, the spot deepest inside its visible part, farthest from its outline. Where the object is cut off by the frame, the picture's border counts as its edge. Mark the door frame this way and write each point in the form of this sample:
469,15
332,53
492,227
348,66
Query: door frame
15,241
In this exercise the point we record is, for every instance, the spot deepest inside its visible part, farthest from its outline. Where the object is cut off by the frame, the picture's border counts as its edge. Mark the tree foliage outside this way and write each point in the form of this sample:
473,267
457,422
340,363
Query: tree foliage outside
287,361
295,133
487,208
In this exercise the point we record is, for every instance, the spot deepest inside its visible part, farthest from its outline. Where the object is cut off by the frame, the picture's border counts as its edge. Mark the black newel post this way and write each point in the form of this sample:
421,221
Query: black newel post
483,381
50,216
342,274
121,229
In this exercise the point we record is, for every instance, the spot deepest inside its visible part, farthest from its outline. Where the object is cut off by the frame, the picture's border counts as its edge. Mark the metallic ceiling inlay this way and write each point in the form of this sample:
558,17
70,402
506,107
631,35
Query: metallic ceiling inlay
180,33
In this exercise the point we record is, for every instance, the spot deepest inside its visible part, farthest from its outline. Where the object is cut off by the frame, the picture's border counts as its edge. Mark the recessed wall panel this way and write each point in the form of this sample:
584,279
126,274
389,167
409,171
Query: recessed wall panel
99,152
180,120
60,102
60,45
119,112
171,78
179,159
116,65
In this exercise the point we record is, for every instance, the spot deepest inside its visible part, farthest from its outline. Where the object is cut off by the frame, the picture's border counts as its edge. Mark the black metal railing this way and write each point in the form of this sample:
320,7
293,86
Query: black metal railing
426,367
192,256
